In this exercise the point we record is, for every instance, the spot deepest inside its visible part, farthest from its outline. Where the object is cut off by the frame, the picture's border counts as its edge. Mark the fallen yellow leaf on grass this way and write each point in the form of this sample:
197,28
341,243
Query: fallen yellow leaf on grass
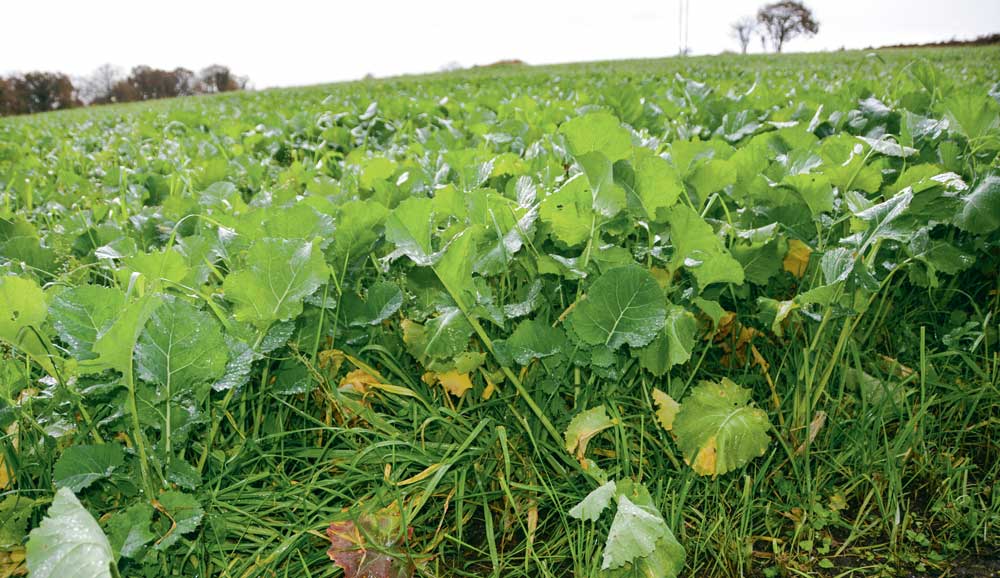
6,476
667,409
797,259
453,382
12,563
358,381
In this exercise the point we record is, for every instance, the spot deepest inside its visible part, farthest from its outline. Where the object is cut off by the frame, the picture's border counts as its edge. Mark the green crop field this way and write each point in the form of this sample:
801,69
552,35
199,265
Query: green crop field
715,316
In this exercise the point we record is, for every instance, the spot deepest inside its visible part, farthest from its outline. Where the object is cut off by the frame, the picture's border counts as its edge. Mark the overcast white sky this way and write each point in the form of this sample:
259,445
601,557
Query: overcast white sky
296,42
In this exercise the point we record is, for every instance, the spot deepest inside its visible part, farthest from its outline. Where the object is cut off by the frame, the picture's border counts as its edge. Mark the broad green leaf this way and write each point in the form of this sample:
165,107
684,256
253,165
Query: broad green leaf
712,176
973,115
980,210
19,241
624,305
634,534
81,314
569,212
359,225
382,301
773,313
376,169
442,337
657,184
699,249
717,430
455,267
277,276
409,228
888,147
129,530
590,508
607,196
584,426
597,132
535,339
673,345
160,268
115,347
68,542
22,312
80,466
884,220
180,347
815,190
184,515
761,261
506,227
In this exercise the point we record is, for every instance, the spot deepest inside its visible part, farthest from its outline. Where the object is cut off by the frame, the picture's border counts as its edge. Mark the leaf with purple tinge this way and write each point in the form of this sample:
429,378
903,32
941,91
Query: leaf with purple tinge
371,546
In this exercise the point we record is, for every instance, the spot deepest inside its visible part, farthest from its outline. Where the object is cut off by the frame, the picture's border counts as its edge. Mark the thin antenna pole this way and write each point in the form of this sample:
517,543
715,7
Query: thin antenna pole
687,18
680,27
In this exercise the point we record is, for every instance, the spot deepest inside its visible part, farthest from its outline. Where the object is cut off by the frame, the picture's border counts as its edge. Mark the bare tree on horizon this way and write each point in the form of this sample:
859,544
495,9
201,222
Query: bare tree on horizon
742,30
782,21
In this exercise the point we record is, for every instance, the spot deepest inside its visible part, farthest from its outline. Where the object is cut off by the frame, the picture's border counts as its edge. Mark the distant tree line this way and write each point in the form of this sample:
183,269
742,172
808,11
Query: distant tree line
33,92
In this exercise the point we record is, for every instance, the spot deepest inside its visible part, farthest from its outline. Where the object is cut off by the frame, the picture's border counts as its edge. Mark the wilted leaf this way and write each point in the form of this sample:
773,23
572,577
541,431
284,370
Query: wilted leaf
453,382
797,258
371,546
667,409
584,426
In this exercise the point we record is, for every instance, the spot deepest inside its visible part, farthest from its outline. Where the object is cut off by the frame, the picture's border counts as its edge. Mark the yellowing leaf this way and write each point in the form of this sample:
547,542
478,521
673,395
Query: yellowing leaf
718,430
6,475
705,461
662,276
373,546
797,258
358,381
12,563
667,409
331,359
584,426
453,382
